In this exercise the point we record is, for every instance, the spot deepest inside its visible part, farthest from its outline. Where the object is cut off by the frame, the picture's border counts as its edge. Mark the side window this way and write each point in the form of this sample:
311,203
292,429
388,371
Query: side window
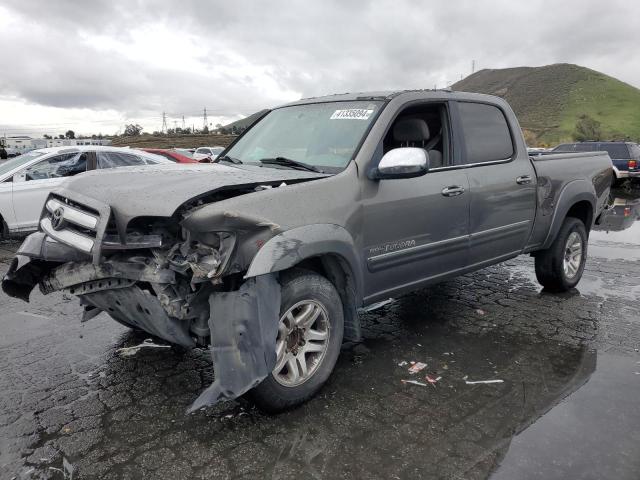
616,150
117,159
635,151
486,132
423,126
585,147
65,165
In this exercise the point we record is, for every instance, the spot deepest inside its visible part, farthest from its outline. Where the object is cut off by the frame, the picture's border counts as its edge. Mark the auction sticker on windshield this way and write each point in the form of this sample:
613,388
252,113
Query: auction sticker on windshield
352,114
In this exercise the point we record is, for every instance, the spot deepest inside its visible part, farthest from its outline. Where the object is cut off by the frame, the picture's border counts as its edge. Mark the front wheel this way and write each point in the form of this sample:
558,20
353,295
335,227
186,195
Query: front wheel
308,344
560,267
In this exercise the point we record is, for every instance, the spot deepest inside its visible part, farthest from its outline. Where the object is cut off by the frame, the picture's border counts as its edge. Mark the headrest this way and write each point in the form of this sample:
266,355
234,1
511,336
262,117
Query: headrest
411,130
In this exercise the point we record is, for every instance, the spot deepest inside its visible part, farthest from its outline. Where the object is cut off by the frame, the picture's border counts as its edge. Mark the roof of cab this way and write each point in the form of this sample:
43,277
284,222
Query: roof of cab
386,95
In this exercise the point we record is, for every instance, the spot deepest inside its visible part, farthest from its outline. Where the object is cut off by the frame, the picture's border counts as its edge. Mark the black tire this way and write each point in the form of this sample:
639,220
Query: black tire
270,396
550,270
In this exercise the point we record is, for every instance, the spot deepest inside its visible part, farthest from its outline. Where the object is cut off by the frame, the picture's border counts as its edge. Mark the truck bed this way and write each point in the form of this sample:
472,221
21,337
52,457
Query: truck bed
559,175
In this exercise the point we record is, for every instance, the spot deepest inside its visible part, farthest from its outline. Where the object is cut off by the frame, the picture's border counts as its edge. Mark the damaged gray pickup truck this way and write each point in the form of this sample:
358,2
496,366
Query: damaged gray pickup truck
322,207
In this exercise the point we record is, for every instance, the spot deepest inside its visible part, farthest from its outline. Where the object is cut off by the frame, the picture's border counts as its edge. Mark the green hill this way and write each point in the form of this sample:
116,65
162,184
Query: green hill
550,100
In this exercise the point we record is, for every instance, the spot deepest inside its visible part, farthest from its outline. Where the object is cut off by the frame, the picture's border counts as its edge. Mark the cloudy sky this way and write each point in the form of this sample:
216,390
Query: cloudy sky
93,66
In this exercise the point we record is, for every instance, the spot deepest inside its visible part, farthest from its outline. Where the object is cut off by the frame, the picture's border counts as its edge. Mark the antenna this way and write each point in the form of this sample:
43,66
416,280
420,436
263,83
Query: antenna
164,123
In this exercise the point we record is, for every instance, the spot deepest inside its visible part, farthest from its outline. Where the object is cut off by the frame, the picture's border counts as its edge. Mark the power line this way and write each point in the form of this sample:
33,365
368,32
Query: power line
164,123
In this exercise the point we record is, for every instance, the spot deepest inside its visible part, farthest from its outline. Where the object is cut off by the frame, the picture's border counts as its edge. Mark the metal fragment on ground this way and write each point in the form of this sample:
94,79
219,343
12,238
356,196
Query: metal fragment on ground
130,351
479,382
415,382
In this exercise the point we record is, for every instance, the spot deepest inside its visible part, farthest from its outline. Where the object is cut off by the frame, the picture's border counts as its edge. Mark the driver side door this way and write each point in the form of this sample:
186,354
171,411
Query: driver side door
32,185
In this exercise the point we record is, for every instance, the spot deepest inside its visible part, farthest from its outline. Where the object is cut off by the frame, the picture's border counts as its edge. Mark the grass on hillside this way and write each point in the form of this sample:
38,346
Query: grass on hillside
549,100
616,105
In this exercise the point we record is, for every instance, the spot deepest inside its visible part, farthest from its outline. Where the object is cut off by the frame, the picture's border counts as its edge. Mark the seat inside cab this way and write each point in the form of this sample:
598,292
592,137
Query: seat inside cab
422,126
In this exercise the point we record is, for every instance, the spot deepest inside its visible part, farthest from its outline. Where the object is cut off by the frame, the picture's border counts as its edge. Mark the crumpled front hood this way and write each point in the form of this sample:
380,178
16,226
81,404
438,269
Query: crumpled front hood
160,189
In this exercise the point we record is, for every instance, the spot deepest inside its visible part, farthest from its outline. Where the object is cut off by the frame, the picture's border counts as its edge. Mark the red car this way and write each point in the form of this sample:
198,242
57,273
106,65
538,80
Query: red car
171,155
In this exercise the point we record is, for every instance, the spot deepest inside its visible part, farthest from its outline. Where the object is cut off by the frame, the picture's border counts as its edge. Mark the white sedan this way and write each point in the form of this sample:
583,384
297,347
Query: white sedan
25,181
202,153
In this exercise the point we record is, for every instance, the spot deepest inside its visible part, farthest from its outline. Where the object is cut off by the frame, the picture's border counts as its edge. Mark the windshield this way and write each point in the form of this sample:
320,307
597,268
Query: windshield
323,135
9,165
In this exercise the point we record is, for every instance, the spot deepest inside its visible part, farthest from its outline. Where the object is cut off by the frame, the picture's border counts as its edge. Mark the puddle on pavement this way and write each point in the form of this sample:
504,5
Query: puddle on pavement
569,440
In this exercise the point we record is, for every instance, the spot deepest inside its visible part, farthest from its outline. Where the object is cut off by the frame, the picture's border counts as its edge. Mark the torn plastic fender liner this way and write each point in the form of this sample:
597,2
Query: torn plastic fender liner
244,329
23,275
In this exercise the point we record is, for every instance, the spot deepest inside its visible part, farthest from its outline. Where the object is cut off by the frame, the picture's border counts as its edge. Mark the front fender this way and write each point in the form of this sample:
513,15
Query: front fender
573,192
289,248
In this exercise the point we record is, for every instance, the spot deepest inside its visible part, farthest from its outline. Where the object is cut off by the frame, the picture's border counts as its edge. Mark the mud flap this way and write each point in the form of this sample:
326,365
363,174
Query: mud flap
244,329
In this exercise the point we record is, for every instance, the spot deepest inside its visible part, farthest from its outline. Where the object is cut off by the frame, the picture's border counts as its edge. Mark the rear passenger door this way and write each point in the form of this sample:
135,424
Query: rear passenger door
502,183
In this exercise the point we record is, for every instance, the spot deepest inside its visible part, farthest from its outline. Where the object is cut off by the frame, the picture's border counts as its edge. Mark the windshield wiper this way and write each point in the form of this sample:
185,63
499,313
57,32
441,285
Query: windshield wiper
287,162
229,159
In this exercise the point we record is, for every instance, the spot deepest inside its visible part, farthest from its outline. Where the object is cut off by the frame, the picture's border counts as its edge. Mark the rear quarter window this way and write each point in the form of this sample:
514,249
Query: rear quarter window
486,132
615,150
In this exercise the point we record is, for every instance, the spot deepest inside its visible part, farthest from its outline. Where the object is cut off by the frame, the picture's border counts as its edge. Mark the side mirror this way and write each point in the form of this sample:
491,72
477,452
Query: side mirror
405,162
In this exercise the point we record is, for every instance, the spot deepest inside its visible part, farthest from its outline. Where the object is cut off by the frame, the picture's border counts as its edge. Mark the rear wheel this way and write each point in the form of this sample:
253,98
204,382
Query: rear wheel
560,267
308,344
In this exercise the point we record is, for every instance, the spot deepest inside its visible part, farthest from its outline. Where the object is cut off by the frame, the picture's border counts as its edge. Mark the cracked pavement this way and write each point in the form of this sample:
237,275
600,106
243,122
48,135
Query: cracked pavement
567,406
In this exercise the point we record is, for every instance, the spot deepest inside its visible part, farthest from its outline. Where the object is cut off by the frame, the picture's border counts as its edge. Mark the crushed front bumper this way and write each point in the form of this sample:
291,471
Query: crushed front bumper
37,255
243,324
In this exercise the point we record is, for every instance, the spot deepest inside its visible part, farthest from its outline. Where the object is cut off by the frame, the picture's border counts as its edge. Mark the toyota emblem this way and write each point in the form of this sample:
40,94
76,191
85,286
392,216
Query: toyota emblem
57,221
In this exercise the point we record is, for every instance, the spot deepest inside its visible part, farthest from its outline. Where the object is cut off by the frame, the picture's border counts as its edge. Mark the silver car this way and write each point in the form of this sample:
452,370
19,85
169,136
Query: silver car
25,181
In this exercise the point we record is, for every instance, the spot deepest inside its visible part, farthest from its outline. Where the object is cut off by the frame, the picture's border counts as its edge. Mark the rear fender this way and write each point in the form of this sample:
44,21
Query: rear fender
574,192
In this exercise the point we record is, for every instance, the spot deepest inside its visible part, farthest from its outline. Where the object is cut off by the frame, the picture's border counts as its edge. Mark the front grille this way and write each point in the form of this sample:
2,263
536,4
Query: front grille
70,223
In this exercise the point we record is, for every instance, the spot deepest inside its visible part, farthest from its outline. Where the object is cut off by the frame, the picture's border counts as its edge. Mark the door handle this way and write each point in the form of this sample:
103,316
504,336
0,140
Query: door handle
523,180
452,191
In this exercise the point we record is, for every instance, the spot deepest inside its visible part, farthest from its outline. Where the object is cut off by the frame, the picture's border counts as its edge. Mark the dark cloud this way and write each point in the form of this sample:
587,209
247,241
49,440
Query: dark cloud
74,54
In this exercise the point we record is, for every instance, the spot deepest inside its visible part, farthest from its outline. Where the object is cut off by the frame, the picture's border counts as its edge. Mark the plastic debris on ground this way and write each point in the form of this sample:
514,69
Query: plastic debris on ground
416,367
432,380
479,311
403,363
480,382
415,382
130,351
67,469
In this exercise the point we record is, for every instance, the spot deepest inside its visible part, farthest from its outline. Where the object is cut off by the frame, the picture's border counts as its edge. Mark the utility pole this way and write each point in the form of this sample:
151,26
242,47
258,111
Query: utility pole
473,66
205,121
182,122
175,126
164,123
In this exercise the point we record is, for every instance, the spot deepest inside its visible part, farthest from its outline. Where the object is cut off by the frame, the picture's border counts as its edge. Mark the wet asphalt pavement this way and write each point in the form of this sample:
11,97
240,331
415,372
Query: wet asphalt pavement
568,406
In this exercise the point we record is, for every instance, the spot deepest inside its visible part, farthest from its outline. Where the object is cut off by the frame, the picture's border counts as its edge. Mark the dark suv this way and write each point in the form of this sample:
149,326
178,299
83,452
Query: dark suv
625,156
